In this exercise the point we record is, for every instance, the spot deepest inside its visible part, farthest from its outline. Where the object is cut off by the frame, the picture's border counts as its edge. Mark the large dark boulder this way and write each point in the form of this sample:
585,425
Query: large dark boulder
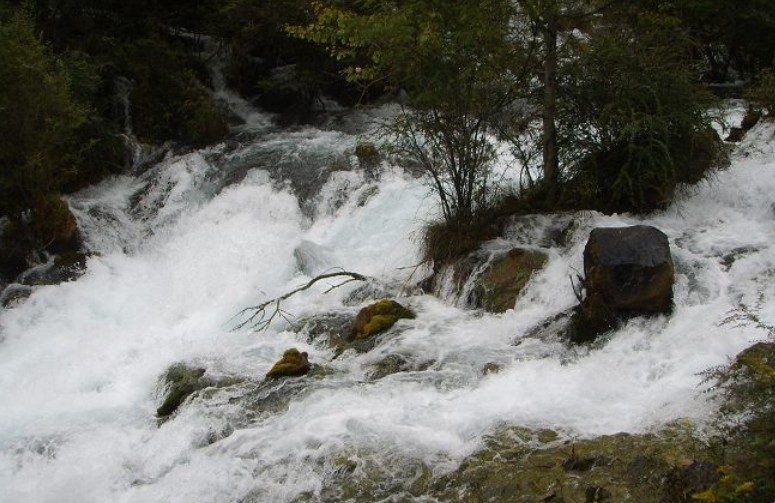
628,271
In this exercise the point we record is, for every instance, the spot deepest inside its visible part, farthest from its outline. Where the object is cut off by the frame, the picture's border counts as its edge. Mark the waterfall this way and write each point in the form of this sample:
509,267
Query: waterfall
182,248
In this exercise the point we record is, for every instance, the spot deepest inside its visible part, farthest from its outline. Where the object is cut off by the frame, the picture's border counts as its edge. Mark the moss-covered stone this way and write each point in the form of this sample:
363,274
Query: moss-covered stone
379,317
499,285
292,364
367,154
180,382
519,465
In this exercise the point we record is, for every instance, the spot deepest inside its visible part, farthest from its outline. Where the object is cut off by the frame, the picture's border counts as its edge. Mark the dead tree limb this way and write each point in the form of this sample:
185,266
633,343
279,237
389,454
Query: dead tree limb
261,315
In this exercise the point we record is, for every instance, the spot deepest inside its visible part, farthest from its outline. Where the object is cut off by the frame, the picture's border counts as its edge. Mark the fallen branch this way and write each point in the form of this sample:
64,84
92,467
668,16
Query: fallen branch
262,314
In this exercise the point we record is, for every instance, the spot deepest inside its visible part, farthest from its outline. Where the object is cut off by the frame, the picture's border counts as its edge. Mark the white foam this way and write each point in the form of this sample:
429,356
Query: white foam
79,362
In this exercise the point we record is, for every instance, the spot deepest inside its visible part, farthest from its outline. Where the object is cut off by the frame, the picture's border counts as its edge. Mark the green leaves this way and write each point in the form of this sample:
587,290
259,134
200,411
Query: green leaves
39,116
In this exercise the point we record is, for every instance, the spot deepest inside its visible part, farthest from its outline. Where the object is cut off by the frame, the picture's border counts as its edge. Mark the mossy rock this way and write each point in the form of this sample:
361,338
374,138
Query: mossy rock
395,363
331,330
292,364
367,154
181,381
379,317
53,225
501,283
518,465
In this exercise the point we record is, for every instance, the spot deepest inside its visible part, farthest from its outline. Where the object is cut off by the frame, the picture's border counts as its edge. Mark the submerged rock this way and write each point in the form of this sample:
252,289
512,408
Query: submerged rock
379,317
181,381
486,279
292,364
628,271
395,363
518,464
499,285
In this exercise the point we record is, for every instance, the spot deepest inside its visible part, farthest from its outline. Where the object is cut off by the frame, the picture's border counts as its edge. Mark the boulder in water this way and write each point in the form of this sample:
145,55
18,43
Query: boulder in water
379,317
293,363
181,381
628,271
499,285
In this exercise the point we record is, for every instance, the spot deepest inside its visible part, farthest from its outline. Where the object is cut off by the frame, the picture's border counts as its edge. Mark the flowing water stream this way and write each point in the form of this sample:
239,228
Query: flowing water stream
180,248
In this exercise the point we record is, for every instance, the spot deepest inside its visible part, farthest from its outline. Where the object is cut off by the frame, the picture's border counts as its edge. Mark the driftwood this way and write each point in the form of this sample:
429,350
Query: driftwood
262,315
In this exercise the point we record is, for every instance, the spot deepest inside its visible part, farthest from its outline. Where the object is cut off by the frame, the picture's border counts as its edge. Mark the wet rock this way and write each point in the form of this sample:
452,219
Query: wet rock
333,330
518,465
379,317
395,363
14,294
391,364
498,286
628,271
292,364
65,267
274,396
181,381
491,368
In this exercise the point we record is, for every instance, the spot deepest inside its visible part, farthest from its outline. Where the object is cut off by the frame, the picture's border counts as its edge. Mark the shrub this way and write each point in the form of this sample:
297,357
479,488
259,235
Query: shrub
638,132
763,92
39,117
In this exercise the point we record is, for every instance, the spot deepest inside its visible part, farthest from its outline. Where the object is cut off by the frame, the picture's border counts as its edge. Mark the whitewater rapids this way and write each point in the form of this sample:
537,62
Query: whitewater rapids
181,248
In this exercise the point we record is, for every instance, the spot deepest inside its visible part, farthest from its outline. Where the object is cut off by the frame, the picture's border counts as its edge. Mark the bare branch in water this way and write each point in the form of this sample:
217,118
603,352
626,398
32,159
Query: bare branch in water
262,315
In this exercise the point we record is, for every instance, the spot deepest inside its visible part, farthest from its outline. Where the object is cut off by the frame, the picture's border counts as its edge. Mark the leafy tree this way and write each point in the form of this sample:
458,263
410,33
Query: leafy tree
730,35
634,116
39,117
461,68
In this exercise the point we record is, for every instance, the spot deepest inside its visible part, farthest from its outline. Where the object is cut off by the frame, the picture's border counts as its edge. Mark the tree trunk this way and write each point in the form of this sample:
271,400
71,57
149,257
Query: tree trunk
551,164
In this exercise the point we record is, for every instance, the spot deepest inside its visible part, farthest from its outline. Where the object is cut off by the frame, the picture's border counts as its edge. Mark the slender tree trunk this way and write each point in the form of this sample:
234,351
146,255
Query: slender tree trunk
551,164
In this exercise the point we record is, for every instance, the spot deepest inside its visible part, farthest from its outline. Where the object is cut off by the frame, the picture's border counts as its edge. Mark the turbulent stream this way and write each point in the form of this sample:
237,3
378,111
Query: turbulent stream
181,246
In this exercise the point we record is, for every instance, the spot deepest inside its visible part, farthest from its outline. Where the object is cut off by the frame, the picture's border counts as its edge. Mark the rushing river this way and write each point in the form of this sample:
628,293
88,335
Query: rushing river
182,246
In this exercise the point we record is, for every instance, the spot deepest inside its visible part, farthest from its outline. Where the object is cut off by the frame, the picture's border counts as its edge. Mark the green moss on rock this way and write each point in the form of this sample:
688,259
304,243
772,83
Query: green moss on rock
292,364
379,317
499,286
180,381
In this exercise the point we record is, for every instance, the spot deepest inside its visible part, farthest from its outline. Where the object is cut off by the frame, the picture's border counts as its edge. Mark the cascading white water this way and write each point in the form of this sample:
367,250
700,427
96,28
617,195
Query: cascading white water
180,254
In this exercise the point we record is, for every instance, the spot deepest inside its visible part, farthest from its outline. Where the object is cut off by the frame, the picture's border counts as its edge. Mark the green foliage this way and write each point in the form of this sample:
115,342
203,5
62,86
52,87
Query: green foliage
732,36
634,120
459,64
746,423
168,102
763,92
39,117
446,240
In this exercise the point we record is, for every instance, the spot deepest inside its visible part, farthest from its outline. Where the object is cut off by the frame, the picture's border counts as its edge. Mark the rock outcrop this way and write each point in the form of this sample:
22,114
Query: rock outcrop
628,271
